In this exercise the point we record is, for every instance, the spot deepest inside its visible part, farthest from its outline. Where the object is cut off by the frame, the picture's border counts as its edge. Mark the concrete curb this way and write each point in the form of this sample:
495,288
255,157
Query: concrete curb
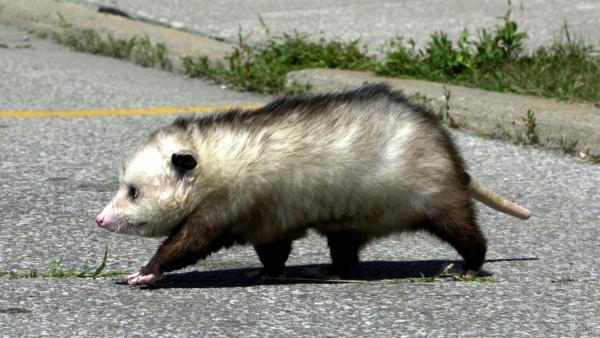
51,16
480,110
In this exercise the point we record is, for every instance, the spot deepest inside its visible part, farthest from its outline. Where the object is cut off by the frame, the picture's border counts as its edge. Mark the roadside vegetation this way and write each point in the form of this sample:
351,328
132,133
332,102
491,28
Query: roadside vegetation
265,70
495,60
56,270
137,49
568,69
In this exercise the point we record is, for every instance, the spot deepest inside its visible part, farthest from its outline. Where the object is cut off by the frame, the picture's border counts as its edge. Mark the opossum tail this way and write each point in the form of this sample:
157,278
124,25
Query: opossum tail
492,200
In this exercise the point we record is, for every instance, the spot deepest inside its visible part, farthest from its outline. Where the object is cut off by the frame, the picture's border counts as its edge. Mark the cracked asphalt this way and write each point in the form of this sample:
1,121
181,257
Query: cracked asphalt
57,173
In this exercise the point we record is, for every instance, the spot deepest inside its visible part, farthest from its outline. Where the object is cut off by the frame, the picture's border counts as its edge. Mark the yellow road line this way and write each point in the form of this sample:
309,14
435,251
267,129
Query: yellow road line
126,111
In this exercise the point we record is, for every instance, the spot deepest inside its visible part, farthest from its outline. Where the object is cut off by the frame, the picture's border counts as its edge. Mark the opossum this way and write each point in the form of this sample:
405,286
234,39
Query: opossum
354,166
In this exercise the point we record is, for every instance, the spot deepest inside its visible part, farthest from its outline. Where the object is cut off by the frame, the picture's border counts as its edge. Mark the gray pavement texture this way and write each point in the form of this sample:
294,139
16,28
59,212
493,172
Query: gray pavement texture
57,173
373,22
38,75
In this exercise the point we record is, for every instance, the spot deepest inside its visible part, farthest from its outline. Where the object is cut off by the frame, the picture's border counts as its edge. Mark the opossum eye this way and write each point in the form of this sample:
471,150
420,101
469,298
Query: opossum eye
184,160
133,193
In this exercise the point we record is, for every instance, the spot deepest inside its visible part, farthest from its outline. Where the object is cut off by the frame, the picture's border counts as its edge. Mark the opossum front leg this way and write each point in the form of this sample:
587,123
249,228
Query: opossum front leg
185,246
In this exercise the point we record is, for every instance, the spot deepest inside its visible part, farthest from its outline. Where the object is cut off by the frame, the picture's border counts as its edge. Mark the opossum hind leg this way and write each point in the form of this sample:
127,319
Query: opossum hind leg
459,228
344,247
273,256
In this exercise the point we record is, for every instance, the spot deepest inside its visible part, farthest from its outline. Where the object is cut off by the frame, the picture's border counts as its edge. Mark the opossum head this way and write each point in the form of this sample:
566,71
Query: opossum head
154,192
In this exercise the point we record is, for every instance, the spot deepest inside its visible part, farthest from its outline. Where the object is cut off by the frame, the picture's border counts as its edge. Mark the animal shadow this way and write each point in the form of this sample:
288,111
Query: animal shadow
304,274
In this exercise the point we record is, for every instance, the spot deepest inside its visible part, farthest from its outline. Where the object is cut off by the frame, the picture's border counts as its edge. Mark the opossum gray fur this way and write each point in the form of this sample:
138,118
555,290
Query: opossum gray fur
353,166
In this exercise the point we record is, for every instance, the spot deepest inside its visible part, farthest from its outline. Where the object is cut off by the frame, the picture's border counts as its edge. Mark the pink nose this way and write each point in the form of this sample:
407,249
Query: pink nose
100,219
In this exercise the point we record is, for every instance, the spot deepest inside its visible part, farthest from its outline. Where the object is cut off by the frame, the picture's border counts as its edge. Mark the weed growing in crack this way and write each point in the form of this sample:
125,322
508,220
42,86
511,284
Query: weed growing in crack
567,69
444,111
568,144
531,132
56,271
447,274
138,49
264,70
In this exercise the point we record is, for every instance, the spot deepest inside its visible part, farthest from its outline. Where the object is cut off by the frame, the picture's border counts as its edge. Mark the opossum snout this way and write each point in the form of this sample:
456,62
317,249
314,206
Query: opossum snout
102,220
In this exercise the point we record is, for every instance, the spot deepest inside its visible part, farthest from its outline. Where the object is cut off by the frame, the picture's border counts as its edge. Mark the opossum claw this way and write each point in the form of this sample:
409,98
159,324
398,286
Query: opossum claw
144,279
130,277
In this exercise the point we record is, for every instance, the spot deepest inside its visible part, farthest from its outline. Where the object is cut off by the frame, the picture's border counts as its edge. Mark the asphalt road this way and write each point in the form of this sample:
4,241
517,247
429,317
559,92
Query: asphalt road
57,173
373,22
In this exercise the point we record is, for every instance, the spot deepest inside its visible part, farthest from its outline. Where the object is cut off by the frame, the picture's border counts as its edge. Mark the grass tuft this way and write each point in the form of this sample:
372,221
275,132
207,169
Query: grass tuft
56,271
495,60
568,144
446,274
138,49
568,69
531,131
440,109
265,70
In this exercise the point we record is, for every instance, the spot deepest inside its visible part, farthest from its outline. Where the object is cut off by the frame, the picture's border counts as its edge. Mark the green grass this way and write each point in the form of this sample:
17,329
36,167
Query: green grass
452,277
531,131
446,274
568,69
441,109
265,70
494,60
57,271
140,50
568,144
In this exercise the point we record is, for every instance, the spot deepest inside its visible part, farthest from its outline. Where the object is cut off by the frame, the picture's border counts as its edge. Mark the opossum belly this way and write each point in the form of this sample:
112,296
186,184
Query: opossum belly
271,232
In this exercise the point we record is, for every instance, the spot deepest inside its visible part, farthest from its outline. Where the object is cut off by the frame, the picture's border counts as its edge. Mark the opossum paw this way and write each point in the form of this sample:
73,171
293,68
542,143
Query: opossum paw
138,279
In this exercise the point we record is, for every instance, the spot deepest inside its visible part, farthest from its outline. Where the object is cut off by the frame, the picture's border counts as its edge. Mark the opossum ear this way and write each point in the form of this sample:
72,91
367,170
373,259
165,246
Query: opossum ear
184,160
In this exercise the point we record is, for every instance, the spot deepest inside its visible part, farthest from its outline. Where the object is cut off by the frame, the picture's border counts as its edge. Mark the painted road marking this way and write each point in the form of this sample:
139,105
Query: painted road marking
126,111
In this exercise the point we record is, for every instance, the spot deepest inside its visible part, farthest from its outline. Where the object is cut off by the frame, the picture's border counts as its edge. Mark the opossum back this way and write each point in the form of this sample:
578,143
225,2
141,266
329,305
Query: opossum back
329,156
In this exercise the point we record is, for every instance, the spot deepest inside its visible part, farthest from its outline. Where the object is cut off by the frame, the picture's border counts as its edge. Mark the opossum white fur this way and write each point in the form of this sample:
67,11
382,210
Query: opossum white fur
354,166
